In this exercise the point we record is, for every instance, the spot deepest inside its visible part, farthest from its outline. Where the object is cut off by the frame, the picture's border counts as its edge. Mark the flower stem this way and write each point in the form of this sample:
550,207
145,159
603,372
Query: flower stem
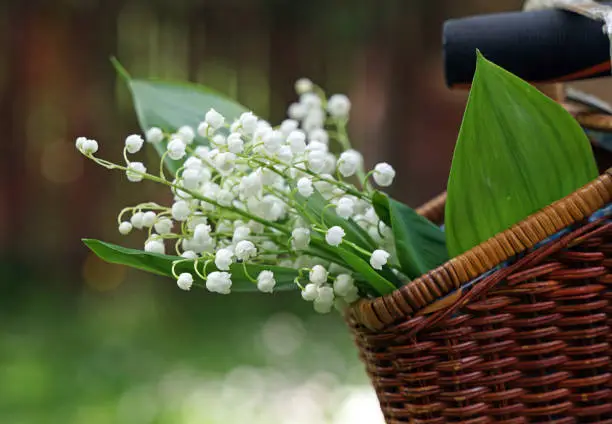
343,139
193,194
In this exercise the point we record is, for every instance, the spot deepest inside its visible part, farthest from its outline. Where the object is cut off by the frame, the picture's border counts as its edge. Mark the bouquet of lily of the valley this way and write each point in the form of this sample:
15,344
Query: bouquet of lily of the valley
266,207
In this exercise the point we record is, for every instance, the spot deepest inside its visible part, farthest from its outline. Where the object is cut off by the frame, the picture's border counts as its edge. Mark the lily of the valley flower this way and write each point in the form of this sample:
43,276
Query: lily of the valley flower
265,281
384,174
154,135
125,228
185,281
379,258
243,195
133,143
334,236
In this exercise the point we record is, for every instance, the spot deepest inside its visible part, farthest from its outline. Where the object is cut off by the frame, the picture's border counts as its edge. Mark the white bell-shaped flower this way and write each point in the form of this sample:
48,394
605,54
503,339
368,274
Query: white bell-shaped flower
334,236
297,111
248,122
223,259
125,228
163,226
297,141
310,292
186,134
379,258
219,282
133,143
303,85
235,143
345,207
318,274
155,246
349,162
245,250
300,238
176,149
185,281
383,174
339,106
154,135
181,210
343,284
214,119
135,171
266,281
304,186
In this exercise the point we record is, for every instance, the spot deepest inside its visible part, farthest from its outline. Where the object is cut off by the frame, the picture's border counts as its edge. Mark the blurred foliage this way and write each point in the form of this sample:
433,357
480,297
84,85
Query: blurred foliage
139,354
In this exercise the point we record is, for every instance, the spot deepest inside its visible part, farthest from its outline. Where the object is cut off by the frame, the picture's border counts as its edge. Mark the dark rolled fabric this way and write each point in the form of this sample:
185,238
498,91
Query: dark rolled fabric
539,46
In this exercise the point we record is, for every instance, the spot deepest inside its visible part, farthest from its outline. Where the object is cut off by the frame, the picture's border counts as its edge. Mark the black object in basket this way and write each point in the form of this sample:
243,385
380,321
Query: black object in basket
538,46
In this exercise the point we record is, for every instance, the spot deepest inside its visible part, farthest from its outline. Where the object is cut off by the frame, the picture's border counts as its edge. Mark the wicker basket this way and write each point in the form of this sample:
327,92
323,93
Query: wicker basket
516,330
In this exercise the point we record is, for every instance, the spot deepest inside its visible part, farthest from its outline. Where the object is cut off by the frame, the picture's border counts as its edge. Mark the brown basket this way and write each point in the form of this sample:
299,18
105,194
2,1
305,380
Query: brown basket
527,342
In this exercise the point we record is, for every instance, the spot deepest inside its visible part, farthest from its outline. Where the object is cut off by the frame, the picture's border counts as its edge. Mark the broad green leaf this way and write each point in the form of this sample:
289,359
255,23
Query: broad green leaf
316,207
162,265
380,284
517,152
170,105
420,245
380,202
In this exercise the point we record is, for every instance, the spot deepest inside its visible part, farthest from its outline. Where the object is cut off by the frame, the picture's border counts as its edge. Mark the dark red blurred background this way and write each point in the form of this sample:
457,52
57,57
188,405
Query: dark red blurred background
56,83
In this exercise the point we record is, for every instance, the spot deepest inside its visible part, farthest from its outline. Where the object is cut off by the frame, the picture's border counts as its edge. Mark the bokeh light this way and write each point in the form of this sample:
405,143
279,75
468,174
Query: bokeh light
59,163
100,275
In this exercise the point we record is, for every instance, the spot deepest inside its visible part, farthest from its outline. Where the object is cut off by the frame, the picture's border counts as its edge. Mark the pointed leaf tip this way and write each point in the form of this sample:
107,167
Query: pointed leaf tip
120,69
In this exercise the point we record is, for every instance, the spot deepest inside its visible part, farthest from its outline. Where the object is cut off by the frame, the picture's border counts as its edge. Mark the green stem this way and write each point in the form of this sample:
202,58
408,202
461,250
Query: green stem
329,205
203,274
343,139
175,263
161,165
364,178
316,176
275,252
125,158
246,272
357,248
195,195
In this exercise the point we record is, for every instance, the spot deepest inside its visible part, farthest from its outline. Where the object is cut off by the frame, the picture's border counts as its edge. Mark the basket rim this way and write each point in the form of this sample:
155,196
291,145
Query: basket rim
378,313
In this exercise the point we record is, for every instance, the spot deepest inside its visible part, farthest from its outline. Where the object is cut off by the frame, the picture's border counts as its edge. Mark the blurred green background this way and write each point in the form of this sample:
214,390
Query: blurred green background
86,342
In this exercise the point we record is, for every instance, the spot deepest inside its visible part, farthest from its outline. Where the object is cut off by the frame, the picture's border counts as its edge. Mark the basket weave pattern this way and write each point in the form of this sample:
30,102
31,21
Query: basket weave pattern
527,343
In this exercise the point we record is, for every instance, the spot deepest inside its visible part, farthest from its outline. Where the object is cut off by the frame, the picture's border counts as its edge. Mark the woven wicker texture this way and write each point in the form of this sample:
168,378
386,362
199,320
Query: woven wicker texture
434,209
528,343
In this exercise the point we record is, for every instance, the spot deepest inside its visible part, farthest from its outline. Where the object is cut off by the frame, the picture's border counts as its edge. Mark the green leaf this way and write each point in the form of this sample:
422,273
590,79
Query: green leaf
380,284
420,245
517,152
162,265
316,206
170,105
380,201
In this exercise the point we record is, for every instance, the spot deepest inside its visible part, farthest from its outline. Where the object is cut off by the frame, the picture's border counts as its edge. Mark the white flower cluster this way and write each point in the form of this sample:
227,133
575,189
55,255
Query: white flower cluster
239,195
324,295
